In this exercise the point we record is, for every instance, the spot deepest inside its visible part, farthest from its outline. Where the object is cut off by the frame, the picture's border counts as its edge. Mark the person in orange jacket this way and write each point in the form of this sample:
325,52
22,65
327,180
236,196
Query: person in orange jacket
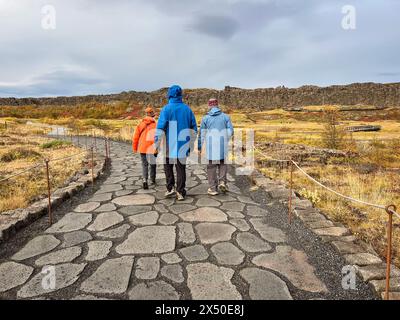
143,142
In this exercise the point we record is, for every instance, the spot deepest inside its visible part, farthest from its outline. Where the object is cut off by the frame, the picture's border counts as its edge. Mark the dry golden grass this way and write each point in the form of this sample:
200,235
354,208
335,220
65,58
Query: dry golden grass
365,222
20,191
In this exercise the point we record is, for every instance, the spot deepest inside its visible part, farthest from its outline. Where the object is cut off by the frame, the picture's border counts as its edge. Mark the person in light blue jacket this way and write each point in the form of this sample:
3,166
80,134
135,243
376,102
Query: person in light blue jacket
177,125
216,130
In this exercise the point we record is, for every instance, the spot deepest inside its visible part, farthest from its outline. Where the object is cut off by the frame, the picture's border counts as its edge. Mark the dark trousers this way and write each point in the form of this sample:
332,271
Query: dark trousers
180,165
148,160
213,177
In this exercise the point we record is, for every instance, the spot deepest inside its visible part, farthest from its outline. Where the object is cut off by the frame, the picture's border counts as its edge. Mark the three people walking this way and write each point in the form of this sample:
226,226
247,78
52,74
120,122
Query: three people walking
177,130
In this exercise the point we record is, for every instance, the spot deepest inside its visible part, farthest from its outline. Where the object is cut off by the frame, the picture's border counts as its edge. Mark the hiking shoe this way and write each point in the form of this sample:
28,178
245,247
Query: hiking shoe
145,185
169,193
179,197
153,182
223,187
212,192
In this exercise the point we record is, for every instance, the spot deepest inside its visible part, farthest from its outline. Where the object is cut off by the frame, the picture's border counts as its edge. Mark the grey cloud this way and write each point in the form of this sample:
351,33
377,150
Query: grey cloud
215,26
144,45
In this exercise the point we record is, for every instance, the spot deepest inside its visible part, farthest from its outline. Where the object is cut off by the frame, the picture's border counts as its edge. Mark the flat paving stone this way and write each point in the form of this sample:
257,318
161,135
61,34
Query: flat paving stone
224,198
106,208
160,208
186,233
254,211
71,222
101,197
87,207
37,246
207,202
66,275
157,290
332,231
241,224
76,237
214,232
195,253
111,277
13,274
60,256
180,208
251,243
136,199
227,254
204,214
98,250
147,268
207,281
233,206
105,220
235,214
345,247
150,239
109,188
199,190
244,199
144,219
293,264
171,258
267,232
115,233
168,219
173,272
264,285
132,210
377,272
122,193
362,259
114,180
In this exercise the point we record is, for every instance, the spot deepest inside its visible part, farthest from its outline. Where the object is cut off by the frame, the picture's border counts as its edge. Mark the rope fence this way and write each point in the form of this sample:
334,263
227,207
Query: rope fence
389,209
46,164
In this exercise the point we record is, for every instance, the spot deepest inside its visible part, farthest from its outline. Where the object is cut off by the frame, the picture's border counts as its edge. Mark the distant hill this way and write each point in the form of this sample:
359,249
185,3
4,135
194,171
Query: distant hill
376,94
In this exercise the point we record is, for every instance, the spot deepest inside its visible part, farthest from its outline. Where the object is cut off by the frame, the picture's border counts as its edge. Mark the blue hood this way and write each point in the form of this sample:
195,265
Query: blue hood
175,94
214,111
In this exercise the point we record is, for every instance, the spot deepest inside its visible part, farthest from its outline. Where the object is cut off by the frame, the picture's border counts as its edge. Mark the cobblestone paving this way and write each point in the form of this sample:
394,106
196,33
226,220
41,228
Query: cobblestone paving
129,243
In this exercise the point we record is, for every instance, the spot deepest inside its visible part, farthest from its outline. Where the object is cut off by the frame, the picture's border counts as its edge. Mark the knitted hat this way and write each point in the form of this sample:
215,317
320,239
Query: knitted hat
150,112
212,103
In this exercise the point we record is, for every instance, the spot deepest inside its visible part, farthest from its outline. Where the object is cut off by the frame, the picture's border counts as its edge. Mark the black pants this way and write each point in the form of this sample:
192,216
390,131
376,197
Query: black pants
148,160
180,165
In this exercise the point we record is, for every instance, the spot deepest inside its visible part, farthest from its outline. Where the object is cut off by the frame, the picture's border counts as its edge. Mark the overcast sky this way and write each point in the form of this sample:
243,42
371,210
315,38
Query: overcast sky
101,46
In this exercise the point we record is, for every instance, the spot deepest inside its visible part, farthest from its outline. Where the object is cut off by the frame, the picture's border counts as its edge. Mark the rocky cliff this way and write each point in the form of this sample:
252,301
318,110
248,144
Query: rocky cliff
382,95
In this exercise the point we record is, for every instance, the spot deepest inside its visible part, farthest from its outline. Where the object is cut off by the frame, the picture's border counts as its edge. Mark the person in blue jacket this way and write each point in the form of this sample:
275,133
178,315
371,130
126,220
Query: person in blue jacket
177,124
216,130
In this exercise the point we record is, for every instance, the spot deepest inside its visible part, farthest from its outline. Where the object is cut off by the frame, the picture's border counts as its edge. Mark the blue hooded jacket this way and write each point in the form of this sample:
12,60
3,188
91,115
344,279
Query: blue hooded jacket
178,123
216,129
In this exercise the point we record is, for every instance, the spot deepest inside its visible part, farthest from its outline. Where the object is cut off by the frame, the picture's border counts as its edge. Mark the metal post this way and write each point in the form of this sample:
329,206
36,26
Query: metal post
92,165
78,136
57,132
389,248
49,191
290,192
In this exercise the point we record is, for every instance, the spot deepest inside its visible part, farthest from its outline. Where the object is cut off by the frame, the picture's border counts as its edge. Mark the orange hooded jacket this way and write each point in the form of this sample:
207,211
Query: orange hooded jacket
143,138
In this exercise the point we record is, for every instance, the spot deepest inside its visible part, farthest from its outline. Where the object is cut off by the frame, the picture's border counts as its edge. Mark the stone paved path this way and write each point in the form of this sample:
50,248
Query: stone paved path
127,243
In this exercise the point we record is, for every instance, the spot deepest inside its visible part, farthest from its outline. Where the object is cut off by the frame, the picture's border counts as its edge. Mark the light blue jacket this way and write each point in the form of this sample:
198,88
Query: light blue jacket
178,123
216,130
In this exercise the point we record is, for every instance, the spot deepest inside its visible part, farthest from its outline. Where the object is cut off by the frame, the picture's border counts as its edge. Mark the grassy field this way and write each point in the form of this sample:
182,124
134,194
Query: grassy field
22,146
370,171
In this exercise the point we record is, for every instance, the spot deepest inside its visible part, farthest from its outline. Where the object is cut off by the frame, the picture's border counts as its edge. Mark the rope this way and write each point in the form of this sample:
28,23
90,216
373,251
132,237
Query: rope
65,158
378,206
21,172
39,165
